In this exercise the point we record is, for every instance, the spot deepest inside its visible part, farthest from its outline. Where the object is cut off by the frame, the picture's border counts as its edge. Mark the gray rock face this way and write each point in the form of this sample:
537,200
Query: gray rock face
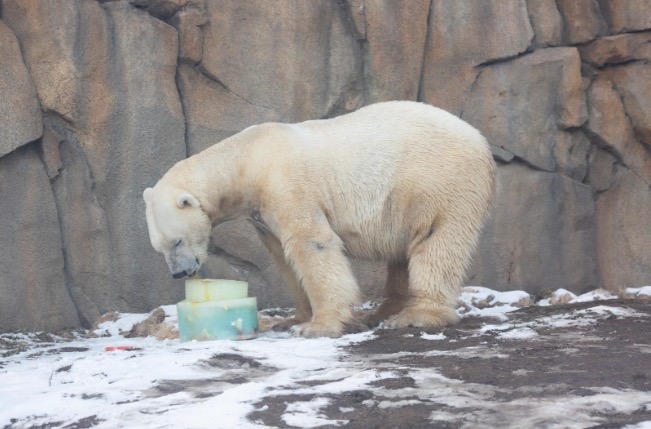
106,80
456,46
100,98
20,116
529,120
33,292
541,234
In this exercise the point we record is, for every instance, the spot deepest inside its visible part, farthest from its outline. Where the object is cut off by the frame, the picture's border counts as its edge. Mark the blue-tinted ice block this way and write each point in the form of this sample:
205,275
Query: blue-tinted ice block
233,319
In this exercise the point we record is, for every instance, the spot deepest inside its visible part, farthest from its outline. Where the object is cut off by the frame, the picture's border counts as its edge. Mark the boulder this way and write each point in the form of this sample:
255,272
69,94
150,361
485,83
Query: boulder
617,120
619,124
20,115
525,119
629,15
617,49
582,19
310,68
32,277
463,35
47,37
633,83
540,235
546,22
623,228
146,129
188,24
602,166
393,38
213,112
105,73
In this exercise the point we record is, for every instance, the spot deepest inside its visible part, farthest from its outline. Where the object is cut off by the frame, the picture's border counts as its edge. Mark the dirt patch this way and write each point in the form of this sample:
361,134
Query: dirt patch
578,352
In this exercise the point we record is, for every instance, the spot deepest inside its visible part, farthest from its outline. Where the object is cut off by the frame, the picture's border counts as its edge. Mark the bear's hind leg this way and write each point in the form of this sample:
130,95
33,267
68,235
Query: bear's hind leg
437,264
395,295
303,309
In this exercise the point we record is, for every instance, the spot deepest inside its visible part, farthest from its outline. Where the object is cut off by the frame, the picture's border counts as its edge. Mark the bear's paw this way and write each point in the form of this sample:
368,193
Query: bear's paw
419,317
314,330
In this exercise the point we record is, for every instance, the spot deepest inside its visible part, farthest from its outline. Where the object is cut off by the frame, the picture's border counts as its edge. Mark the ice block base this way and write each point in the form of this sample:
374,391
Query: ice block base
234,319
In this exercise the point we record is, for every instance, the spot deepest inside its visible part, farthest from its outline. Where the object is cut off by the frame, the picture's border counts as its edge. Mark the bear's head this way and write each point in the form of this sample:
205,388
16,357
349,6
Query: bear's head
178,228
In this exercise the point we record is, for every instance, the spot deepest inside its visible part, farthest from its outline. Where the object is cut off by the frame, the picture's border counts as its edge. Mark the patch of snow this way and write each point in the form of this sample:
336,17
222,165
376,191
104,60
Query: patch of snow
584,317
483,403
640,425
427,336
484,302
546,411
518,334
306,414
398,404
124,323
562,296
489,328
123,387
595,295
578,318
643,291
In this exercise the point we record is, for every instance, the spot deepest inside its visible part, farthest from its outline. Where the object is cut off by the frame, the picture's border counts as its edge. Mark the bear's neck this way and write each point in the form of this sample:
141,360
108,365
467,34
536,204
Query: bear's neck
219,179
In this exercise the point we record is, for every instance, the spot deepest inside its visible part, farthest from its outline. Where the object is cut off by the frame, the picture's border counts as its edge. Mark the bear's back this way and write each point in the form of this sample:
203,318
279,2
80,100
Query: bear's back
378,166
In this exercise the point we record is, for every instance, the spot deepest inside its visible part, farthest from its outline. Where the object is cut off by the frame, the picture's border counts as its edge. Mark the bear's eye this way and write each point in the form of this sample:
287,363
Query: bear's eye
178,243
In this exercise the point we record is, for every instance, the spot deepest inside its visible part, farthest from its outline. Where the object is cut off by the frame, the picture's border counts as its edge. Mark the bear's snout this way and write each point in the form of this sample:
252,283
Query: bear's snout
182,274
184,268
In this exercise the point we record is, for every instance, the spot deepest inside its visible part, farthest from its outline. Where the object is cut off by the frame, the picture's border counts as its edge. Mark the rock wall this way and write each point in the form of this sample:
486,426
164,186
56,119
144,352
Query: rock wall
101,97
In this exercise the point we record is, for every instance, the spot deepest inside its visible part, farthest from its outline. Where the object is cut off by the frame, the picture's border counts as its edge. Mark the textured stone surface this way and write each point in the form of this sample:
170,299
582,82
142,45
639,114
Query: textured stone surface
629,15
393,38
309,68
618,122
582,19
528,119
112,93
546,22
116,112
188,23
617,49
463,35
20,116
33,292
540,236
624,232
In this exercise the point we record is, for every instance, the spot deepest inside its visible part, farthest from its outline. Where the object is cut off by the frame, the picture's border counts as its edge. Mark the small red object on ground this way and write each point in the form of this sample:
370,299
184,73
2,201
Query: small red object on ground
122,348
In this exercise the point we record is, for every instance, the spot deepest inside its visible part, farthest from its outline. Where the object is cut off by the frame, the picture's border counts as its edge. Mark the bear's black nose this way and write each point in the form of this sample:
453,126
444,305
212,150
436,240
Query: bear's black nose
180,274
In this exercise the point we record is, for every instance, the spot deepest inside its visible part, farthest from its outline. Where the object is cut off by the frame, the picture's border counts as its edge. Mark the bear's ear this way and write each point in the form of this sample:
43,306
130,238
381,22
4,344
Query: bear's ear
146,194
185,200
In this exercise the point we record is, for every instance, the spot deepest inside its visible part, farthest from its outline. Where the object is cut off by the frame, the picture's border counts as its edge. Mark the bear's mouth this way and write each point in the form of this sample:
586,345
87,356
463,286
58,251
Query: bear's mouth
188,272
182,274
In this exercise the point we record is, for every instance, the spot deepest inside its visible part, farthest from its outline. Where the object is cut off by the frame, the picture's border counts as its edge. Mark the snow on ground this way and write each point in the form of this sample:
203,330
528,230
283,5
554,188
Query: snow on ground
170,384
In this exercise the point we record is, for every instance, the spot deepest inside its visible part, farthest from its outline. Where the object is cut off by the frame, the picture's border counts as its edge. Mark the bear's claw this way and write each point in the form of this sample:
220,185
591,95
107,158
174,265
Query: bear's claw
286,325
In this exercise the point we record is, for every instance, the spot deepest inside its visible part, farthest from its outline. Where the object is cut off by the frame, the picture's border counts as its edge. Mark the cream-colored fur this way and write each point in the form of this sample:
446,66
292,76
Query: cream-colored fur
399,181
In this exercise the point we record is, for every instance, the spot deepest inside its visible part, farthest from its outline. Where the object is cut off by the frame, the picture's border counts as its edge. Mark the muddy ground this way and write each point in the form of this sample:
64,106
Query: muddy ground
506,382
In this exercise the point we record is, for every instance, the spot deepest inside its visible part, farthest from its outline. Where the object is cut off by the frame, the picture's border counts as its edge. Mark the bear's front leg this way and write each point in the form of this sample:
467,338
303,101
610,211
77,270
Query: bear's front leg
303,311
316,255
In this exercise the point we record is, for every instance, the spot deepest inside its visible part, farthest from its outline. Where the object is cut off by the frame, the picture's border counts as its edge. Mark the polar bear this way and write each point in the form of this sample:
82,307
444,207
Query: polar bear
400,181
